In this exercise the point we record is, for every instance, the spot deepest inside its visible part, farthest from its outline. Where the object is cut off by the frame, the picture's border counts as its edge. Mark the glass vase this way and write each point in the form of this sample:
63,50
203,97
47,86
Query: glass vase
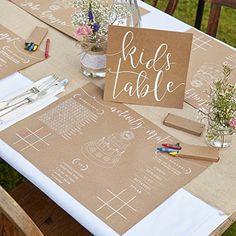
219,137
93,54
134,18
93,58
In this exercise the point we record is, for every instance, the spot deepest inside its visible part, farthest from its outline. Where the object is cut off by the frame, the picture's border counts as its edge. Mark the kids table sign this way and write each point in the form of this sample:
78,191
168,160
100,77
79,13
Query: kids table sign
147,67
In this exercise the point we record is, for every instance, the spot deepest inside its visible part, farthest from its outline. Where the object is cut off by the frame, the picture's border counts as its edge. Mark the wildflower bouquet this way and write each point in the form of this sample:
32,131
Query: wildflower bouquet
222,108
223,101
92,20
94,16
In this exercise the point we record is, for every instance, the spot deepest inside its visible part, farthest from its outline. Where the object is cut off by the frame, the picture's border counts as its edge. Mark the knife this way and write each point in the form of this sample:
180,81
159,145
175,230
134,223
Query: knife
36,97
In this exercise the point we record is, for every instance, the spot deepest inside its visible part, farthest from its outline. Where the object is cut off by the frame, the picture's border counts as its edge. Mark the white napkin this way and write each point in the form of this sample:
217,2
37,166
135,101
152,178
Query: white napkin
14,85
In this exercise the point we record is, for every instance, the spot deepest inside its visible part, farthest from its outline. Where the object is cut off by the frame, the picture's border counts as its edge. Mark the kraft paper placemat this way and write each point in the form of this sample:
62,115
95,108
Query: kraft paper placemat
56,13
113,170
206,60
13,57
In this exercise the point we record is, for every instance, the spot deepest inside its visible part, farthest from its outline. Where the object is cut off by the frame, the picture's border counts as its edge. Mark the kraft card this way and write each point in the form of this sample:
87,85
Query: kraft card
197,152
113,170
56,13
146,66
207,57
37,35
13,57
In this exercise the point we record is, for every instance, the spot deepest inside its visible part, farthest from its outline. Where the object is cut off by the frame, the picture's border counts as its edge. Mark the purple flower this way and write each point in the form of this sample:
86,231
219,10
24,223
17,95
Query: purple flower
90,15
96,27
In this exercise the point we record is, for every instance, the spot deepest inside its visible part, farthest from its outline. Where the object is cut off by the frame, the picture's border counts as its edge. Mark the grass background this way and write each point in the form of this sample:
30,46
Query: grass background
186,11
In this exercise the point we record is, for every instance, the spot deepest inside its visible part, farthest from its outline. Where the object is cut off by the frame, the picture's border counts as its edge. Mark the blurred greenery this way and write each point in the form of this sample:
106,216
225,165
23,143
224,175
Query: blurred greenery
9,178
186,11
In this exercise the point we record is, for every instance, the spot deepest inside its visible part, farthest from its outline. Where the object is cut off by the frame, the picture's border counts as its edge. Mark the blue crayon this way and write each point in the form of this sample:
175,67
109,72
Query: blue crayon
31,47
28,45
163,149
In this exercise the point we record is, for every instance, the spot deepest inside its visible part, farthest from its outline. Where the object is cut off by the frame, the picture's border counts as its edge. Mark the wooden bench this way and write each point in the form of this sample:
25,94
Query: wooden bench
27,211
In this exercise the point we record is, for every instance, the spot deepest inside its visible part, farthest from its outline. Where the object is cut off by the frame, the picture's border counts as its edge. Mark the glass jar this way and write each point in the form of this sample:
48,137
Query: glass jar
219,137
134,18
93,58
93,54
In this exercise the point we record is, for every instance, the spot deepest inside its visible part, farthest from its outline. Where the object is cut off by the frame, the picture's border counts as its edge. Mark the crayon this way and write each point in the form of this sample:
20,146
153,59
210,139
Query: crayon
46,53
173,153
171,146
164,149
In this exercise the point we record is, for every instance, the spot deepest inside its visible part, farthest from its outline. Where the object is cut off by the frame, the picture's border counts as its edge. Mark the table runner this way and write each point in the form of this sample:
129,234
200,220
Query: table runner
56,13
103,154
206,60
13,57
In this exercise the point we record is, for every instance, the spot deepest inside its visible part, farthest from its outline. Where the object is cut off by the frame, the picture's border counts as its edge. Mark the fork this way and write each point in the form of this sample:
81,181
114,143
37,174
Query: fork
39,95
33,90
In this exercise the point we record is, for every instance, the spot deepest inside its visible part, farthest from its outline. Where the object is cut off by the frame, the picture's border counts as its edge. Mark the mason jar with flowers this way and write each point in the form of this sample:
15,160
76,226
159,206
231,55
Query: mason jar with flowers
222,111
92,20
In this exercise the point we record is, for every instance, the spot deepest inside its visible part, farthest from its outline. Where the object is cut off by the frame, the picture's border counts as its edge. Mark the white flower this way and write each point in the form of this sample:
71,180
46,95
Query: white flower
103,14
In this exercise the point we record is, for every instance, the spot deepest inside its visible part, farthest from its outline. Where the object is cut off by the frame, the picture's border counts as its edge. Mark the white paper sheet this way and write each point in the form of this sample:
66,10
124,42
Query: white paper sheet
156,19
12,83
182,214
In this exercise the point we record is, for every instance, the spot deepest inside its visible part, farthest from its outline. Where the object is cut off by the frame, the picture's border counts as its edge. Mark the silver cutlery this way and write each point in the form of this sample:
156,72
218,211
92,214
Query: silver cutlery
52,80
35,97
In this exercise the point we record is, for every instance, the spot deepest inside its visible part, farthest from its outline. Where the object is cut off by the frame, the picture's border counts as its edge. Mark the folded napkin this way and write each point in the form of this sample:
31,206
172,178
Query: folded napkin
12,83
27,109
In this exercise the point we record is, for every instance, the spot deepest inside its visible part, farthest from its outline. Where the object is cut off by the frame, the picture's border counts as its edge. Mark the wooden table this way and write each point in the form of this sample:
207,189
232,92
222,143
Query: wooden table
216,186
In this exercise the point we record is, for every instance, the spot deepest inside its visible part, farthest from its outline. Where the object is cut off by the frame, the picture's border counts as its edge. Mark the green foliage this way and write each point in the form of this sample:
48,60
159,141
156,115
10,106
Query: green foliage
222,102
9,178
186,12
230,231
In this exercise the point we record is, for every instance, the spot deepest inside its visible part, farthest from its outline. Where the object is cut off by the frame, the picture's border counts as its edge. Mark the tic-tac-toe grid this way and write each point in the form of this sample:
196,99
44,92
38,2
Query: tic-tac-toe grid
110,204
31,139
201,42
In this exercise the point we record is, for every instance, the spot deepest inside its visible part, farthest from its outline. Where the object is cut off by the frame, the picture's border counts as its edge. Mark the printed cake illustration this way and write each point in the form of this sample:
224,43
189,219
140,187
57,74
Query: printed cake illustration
107,151
207,74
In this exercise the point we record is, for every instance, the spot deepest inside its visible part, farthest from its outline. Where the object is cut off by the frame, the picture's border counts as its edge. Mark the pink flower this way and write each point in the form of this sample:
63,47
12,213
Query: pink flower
82,31
232,122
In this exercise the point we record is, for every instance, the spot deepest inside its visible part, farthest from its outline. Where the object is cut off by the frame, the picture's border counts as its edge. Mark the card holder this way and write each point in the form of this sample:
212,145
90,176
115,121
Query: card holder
183,124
